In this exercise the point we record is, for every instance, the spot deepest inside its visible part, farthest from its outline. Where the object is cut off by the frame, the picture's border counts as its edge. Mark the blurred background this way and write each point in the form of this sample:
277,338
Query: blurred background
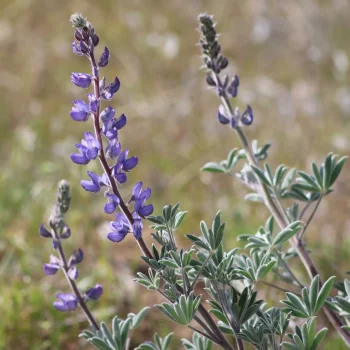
293,61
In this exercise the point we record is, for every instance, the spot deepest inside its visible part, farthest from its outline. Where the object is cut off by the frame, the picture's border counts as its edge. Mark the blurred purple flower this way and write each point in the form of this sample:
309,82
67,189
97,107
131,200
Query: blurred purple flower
68,302
44,232
111,126
120,228
80,111
140,197
113,149
111,89
88,149
94,293
53,266
81,79
113,202
96,182
124,164
247,117
103,61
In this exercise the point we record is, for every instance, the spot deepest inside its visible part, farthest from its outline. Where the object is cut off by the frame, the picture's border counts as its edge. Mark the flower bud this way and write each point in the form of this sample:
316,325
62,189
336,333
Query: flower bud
78,21
210,80
95,39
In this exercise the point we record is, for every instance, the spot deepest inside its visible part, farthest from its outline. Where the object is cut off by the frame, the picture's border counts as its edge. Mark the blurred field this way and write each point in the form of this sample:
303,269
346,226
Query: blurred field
293,61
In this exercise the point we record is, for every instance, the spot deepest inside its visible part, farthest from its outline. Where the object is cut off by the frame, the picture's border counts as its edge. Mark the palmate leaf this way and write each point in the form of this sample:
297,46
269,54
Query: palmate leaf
198,343
305,337
312,299
181,312
159,343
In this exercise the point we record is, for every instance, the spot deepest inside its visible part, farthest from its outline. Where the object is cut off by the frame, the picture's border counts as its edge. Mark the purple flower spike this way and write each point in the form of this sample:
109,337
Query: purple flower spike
81,79
120,228
94,293
80,112
111,89
103,61
68,302
53,266
44,232
113,202
88,149
96,182
113,149
247,117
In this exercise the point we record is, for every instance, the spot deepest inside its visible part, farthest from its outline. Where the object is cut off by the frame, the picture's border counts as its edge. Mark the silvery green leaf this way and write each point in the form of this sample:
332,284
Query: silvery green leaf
253,197
213,168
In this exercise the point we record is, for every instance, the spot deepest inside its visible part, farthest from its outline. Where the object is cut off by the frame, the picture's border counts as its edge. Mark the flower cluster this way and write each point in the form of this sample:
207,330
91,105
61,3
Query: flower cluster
107,127
59,231
215,62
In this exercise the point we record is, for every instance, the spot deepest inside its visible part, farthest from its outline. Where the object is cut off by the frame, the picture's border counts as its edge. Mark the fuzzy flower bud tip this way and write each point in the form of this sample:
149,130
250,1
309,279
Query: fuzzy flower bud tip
78,21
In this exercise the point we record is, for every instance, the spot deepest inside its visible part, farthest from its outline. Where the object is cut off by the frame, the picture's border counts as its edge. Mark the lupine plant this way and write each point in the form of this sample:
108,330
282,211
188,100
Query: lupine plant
227,281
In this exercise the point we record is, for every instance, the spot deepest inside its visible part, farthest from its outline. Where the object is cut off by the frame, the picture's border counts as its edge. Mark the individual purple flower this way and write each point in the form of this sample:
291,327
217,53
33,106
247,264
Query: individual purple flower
94,293
44,232
103,61
120,228
80,111
93,103
107,114
113,202
76,258
140,197
111,89
137,226
232,89
76,48
247,117
88,148
96,182
81,79
53,266
65,233
68,302
124,164
221,115
111,126
113,148
73,272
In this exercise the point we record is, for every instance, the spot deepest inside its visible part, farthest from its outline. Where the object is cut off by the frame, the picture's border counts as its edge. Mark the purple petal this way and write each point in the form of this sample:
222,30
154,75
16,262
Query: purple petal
146,210
44,232
130,163
116,236
94,293
222,118
89,186
137,190
247,116
103,61
79,116
109,208
113,149
76,48
68,302
51,269
120,122
81,79
77,257
146,193
92,153
107,114
137,228
81,105
73,272
78,158
121,178
93,104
